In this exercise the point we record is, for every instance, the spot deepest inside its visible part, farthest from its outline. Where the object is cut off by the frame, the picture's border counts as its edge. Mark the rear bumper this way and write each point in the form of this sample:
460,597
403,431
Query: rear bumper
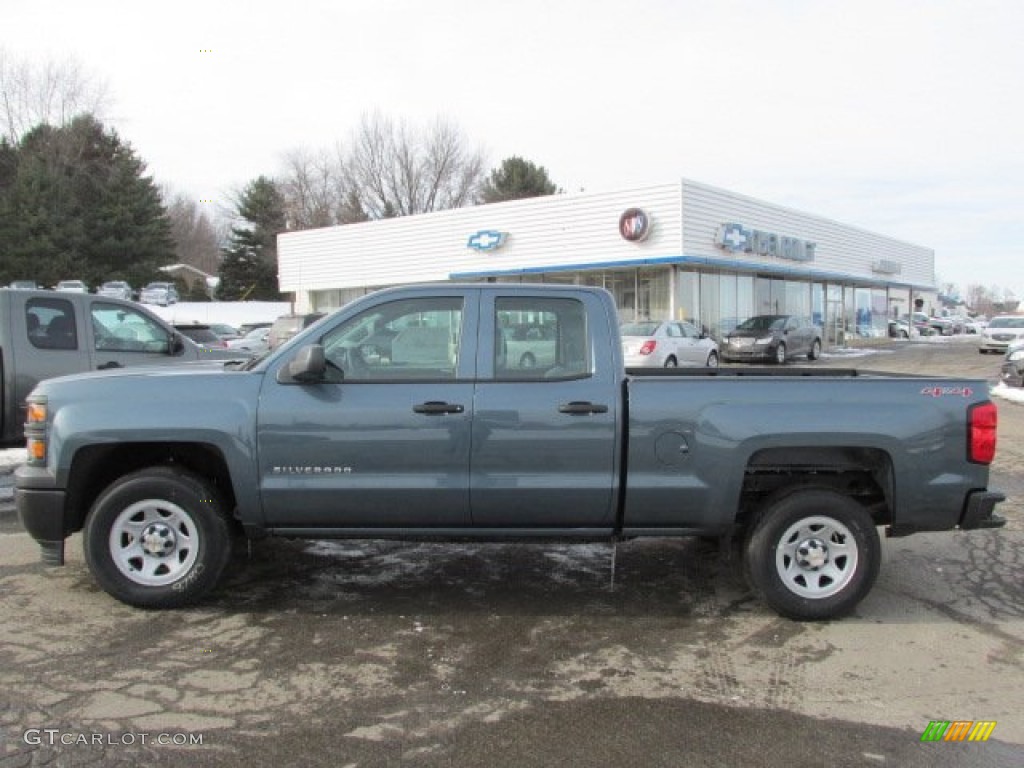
979,511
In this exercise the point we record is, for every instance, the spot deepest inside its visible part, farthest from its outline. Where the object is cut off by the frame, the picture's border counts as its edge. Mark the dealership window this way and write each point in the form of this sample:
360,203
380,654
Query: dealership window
688,297
710,299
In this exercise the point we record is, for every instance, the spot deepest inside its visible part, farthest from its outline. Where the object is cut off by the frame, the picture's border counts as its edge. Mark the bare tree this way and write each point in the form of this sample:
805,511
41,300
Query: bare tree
197,236
313,186
51,92
398,172
387,170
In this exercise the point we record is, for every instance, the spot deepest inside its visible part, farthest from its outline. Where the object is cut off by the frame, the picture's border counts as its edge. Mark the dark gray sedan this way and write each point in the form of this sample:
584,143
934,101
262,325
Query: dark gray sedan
772,338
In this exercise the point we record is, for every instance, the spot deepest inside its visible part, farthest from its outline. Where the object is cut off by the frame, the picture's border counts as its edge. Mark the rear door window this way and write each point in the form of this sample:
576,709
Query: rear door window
51,324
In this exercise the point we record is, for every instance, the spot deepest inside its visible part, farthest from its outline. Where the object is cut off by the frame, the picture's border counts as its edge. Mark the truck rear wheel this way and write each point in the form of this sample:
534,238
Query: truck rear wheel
157,538
813,554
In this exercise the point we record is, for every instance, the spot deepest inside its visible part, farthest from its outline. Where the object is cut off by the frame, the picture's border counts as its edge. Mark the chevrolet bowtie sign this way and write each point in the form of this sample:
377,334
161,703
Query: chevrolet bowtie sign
486,240
738,239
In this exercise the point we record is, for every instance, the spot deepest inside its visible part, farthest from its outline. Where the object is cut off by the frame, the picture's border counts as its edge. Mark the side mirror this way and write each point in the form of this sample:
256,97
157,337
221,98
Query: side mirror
308,366
176,345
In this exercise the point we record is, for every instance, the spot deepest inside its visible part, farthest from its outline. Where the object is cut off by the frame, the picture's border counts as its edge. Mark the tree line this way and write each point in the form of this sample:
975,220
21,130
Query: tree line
76,201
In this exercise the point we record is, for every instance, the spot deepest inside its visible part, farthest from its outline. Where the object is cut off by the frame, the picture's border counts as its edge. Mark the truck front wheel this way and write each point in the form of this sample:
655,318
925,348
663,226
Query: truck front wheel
813,554
157,538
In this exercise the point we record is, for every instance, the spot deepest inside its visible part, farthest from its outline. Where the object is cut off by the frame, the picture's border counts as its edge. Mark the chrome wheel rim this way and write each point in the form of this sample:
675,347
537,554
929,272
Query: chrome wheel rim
816,557
154,542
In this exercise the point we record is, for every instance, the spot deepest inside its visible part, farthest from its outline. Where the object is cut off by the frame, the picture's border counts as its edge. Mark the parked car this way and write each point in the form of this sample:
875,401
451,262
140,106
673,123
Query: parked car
666,345
1001,332
774,338
24,285
1012,374
919,321
254,342
287,326
72,286
44,334
940,325
117,289
202,335
529,346
225,331
975,324
902,329
163,294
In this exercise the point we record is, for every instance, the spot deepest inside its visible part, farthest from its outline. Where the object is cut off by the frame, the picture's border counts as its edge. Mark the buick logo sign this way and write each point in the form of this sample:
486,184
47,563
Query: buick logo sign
634,225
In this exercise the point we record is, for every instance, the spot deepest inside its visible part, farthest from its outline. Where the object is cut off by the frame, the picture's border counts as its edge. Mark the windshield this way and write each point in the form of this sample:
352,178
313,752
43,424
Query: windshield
762,323
1007,322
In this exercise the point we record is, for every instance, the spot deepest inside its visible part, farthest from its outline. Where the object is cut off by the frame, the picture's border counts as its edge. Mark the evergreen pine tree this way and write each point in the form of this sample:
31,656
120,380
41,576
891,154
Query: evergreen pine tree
249,267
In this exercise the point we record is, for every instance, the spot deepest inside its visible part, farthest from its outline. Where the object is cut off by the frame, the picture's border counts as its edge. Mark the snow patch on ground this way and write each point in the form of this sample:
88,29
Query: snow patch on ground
1013,394
231,312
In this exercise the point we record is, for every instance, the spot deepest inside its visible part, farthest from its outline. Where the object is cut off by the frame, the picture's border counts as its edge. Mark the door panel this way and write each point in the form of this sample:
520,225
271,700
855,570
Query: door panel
383,441
544,446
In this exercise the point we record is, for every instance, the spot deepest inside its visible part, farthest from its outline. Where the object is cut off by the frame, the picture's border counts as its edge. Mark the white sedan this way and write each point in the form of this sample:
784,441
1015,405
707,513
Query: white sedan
667,344
255,342
1001,332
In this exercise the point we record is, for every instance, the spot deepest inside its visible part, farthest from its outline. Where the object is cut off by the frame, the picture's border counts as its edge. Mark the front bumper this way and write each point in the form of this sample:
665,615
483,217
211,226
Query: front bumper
979,511
42,512
759,353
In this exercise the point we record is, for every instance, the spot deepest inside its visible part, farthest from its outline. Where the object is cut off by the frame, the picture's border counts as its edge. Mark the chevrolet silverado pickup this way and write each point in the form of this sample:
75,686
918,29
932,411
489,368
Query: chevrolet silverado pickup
404,415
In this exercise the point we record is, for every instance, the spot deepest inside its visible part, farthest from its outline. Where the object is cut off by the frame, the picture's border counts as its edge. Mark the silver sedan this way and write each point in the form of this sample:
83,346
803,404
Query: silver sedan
647,344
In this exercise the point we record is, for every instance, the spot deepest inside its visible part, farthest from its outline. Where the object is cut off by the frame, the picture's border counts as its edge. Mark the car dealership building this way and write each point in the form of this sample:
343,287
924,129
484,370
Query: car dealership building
683,250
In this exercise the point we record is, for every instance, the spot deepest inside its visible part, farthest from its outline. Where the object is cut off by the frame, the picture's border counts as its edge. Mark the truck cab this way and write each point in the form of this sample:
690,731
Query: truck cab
44,334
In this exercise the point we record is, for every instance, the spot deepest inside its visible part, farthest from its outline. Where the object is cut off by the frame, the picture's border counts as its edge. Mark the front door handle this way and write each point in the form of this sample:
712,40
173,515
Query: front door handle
579,406
435,406
107,366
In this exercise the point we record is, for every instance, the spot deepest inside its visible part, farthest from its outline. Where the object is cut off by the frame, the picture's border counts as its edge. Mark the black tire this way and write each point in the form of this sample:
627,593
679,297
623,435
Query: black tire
780,354
527,360
671,362
815,352
157,538
812,554
712,361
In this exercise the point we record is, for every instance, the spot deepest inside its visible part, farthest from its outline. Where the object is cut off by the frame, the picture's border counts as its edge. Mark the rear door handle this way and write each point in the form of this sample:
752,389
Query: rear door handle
106,366
435,406
579,406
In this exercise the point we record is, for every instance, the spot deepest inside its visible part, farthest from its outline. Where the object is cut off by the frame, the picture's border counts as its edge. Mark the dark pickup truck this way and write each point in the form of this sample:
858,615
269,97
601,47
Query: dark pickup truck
46,333
404,415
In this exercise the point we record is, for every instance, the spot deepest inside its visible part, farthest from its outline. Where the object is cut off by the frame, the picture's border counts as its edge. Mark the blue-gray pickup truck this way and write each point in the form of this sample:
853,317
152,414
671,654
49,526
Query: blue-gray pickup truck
403,415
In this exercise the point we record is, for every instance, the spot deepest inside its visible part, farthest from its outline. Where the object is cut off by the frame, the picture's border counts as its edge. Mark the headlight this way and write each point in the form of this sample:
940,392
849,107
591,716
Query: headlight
1016,356
35,431
764,340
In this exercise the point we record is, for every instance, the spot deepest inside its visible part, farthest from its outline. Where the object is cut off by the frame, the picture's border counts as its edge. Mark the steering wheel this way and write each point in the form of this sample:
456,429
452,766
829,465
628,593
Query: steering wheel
350,362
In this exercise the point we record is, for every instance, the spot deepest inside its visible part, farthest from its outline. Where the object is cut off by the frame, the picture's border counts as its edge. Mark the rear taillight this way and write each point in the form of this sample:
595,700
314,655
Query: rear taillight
982,420
648,347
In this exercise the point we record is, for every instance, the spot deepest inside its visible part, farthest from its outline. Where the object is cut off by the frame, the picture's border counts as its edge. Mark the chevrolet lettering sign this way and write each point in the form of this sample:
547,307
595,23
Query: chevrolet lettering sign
738,239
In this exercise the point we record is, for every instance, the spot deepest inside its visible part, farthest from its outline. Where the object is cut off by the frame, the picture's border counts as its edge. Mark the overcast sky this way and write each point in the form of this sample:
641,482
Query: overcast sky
900,117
